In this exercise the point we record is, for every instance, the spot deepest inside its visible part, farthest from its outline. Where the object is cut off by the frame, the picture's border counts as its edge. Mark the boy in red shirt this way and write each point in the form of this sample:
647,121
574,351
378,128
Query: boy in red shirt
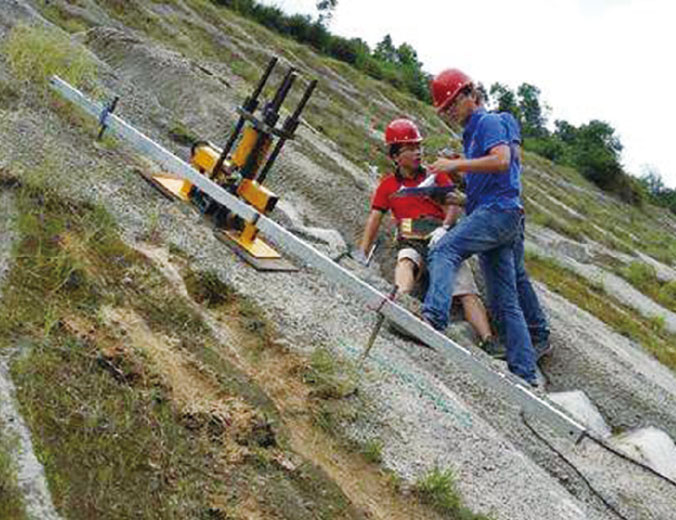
420,222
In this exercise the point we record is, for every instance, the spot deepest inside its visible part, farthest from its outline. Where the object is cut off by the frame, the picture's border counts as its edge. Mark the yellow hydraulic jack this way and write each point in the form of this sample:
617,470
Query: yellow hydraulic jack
242,173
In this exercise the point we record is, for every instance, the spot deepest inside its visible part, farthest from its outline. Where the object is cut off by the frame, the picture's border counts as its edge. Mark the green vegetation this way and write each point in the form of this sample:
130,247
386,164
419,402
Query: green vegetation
206,288
113,437
11,502
650,333
399,66
550,188
35,53
372,451
58,14
8,95
658,193
644,278
181,134
330,378
437,489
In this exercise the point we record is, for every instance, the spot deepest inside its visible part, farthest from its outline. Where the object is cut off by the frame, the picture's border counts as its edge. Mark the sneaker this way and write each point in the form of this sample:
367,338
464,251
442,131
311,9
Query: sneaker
494,349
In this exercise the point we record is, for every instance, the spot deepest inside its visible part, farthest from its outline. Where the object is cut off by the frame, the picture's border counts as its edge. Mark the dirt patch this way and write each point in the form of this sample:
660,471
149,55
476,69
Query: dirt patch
277,371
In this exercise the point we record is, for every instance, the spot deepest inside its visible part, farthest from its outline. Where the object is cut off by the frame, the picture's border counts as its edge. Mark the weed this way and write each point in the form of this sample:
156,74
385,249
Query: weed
330,377
205,287
153,234
109,450
8,96
394,481
56,14
437,488
644,278
11,502
640,274
658,324
35,53
372,451
667,295
181,134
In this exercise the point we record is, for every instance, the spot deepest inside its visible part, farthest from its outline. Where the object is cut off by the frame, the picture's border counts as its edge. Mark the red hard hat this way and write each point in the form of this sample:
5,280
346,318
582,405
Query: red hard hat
446,85
402,131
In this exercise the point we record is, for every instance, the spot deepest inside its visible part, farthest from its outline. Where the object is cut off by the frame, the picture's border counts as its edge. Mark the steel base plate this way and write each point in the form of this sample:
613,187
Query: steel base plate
170,186
270,260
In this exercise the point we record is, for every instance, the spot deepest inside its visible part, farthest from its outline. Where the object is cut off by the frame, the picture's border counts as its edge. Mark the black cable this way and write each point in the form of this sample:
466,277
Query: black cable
579,473
626,457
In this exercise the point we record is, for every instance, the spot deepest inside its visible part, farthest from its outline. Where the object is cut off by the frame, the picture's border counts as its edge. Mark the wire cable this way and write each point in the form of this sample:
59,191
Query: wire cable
577,471
626,457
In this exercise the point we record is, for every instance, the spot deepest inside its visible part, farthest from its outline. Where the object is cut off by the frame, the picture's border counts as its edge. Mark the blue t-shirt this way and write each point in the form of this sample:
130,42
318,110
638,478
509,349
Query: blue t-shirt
496,190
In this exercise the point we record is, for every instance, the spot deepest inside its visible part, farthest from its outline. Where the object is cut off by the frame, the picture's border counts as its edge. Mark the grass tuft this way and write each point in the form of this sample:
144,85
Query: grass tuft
11,502
330,377
437,489
206,288
35,53
8,96
372,451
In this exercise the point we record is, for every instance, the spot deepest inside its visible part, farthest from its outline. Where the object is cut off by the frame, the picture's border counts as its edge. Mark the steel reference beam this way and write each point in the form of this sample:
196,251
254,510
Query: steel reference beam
454,353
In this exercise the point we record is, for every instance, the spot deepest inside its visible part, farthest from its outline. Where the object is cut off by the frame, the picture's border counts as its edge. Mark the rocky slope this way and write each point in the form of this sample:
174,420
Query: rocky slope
181,67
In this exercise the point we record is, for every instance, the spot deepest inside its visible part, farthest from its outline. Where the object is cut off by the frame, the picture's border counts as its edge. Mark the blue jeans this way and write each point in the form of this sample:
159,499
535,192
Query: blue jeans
536,320
491,233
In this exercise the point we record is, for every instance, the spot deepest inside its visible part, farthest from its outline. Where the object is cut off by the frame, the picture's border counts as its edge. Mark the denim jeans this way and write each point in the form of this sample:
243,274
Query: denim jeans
491,233
536,320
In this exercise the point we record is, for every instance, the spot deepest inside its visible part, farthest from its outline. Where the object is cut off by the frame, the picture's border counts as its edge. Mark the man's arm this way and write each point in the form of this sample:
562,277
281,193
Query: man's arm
496,161
371,229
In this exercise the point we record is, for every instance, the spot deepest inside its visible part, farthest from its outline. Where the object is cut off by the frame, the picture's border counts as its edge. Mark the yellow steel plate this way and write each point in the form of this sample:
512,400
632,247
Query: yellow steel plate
177,187
257,248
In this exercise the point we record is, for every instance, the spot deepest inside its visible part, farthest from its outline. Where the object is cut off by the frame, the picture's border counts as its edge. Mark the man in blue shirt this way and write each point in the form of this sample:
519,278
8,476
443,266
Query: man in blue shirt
494,223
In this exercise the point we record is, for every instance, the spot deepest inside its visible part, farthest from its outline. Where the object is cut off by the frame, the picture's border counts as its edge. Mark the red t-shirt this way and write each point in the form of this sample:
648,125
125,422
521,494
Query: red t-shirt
408,207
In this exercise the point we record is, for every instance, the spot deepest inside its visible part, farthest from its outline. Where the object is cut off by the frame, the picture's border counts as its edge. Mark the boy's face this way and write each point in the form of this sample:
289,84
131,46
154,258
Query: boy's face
459,110
409,157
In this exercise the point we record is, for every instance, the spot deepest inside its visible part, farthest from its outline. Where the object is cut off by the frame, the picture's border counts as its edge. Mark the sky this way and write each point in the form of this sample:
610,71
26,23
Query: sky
611,60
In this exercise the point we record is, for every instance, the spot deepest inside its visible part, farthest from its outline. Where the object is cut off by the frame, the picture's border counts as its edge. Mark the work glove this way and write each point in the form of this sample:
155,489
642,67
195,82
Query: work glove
359,256
436,235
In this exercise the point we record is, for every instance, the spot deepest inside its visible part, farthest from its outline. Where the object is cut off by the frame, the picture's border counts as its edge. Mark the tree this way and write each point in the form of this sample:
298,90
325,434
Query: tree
533,119
385,50
652,181
325,9
505,100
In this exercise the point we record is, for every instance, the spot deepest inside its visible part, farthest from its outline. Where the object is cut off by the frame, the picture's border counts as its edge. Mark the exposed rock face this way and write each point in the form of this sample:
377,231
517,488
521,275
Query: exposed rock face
426,412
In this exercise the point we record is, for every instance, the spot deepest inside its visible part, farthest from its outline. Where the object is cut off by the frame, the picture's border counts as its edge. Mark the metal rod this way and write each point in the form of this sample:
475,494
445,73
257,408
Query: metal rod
250,104
271,110
109,109
288,129
376,328
455,355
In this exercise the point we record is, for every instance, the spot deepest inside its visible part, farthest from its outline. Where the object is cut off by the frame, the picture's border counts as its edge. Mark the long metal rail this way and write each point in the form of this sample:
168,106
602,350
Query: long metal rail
457,355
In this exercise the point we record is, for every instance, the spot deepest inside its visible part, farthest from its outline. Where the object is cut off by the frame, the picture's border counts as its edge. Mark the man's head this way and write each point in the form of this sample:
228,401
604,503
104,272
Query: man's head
455,96
403,140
